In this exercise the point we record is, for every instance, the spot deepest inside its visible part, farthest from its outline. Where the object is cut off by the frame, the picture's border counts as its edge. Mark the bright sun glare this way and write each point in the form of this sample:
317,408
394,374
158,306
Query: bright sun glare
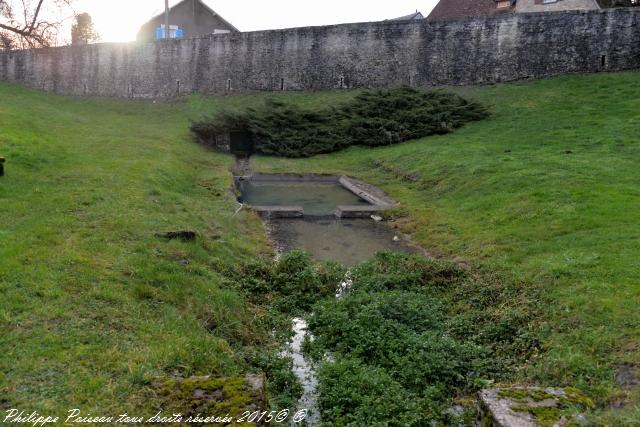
113,23
120,20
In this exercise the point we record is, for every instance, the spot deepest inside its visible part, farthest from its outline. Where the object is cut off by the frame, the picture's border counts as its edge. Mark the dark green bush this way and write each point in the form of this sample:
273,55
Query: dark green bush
225,122
355,394
373,118
393,116
286,130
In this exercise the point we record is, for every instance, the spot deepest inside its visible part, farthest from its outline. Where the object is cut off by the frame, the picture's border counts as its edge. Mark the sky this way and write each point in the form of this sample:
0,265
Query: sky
119,20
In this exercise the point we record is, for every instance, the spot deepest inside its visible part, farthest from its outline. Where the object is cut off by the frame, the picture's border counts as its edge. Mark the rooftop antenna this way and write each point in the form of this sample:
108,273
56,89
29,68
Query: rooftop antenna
166,20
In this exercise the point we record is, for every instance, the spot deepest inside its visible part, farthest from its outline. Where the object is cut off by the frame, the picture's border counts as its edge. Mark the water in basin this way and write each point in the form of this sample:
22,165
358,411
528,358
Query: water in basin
316,198
347,241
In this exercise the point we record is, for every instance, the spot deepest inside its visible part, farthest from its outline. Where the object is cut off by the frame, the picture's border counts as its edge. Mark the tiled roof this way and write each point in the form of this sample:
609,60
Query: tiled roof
415,15
447,9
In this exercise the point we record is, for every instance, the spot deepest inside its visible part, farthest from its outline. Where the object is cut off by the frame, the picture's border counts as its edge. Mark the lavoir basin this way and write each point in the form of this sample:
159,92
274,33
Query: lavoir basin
330,217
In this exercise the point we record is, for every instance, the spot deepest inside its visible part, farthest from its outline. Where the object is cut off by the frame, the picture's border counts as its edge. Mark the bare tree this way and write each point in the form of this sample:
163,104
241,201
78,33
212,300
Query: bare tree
29,23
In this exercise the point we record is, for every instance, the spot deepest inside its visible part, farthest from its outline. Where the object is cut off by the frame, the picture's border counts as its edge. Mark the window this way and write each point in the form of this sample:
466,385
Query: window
503,4
175,32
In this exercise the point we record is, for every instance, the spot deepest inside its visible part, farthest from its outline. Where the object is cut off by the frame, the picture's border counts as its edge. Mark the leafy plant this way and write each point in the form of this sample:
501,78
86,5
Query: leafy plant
293,284
353,393
407,320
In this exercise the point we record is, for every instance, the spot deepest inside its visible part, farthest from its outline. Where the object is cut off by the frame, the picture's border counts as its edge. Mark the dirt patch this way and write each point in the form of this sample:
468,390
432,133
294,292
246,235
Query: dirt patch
626,376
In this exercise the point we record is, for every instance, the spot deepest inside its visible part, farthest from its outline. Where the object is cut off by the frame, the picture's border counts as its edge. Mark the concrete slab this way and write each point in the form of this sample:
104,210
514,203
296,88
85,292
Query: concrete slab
358,211
279,211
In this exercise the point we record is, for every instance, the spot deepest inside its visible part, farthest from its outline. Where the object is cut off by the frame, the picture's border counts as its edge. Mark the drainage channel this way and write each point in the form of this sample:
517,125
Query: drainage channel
304,371
302,368
333,218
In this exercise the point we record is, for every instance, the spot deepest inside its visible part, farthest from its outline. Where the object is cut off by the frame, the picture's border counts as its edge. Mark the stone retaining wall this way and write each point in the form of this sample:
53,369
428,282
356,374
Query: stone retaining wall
378,54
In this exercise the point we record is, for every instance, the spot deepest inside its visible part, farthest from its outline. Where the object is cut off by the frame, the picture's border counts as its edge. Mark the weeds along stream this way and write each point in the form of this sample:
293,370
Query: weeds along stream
404,341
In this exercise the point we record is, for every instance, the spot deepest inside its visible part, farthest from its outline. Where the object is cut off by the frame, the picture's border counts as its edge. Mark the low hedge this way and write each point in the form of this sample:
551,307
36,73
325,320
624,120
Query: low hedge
372,118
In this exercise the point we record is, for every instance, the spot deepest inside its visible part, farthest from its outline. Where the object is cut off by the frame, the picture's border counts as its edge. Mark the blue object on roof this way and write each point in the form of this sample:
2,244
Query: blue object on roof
175,32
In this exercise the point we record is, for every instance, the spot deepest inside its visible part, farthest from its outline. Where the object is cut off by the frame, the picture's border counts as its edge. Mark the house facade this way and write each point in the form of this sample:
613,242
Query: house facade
187,19
455,9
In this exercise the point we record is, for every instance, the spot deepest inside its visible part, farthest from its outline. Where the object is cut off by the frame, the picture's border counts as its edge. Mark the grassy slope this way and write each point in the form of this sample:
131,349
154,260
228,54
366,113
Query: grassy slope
506,193
98,305
93,305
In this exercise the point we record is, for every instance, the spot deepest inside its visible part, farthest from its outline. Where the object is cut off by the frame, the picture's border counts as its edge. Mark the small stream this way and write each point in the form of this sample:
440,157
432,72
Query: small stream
304,371
326,238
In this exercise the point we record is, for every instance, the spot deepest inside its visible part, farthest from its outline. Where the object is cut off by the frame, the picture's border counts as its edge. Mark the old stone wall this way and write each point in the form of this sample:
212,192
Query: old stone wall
381,54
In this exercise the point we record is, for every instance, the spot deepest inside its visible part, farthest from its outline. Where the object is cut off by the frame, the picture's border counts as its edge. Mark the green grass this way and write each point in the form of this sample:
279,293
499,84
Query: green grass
505,193
94,306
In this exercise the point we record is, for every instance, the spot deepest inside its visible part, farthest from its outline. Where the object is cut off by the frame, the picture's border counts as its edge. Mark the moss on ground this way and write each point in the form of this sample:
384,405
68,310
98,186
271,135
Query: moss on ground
566,404
208,396
546,416
537,395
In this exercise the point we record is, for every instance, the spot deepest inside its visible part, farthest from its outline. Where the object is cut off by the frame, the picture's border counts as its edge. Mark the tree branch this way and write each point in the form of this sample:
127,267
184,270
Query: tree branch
26,27
15,30
35,15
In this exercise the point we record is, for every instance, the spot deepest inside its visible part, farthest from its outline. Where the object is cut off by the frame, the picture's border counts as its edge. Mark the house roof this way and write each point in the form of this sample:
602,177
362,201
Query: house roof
415,15
447,9
206,6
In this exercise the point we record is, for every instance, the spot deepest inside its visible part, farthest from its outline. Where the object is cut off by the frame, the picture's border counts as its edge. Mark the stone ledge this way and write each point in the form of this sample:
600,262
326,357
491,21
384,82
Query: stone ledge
368,192
358,211
532,407
279,211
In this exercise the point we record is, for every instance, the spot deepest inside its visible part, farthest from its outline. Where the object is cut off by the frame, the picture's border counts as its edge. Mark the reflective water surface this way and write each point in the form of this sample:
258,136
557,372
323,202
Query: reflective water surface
317,198
348,241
